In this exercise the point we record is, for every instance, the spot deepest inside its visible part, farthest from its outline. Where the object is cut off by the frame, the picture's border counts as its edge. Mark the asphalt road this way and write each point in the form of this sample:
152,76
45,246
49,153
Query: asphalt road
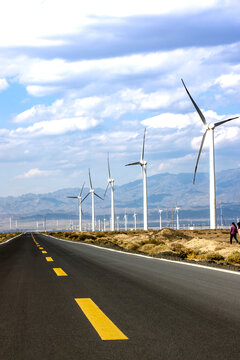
161,310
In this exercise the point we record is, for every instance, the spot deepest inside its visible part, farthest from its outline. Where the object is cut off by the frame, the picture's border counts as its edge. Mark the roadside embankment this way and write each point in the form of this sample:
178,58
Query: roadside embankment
6,236
203,246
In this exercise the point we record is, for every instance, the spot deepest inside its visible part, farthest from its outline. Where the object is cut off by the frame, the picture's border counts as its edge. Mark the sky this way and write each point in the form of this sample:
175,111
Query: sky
80,80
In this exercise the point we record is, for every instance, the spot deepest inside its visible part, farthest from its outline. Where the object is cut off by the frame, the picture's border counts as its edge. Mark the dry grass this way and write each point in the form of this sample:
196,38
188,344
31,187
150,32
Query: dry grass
7,236
199,245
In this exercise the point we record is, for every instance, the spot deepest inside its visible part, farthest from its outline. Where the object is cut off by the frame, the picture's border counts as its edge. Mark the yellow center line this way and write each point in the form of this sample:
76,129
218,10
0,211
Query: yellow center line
59,272
101,323
48,258
41,248
44,252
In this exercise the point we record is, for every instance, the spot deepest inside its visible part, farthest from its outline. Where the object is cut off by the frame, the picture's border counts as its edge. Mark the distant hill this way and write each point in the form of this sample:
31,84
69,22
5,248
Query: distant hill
164,191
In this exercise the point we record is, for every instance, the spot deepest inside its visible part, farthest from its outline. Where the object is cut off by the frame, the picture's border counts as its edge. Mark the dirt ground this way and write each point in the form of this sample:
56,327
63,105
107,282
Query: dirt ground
198,245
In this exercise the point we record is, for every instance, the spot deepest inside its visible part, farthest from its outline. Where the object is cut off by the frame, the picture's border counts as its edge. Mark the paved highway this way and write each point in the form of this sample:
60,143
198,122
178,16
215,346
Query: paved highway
61,300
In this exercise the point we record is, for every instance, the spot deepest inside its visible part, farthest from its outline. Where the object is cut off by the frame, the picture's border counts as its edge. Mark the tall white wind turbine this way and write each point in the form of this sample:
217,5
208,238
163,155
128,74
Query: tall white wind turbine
177,211
111,183
143,164
209,127
79,197
92,191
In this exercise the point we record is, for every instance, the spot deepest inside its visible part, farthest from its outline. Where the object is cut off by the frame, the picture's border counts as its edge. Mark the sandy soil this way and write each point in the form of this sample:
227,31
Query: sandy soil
199,245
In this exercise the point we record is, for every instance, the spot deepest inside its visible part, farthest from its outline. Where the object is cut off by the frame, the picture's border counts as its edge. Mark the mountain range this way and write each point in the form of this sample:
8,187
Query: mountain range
164,191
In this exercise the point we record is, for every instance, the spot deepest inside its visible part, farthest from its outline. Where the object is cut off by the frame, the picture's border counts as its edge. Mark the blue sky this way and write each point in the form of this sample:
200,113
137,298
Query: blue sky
80,80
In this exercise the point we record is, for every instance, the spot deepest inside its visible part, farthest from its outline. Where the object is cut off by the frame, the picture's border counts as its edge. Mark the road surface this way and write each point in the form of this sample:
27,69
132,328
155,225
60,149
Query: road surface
61,300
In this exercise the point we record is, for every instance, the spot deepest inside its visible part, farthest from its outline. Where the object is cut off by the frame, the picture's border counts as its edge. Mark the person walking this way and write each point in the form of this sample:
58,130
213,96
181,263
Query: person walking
233,233
238,230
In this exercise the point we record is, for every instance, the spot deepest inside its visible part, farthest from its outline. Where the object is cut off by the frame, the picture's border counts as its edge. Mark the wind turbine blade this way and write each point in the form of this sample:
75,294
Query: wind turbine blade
82,190
90,180
136,163
224,121
195,105
85,197
98,196
109,172
142,157
200,150
72,197
106,190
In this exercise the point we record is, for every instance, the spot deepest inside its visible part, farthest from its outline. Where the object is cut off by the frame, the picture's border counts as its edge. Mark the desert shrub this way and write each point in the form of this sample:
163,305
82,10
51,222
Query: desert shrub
132,246
155,241
83,237
146,248
214,256
234,258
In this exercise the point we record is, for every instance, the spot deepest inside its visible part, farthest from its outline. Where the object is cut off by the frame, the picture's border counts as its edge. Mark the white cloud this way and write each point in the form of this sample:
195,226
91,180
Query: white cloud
228,80
34,173
3,84
56,127
39,91
44,19
172,121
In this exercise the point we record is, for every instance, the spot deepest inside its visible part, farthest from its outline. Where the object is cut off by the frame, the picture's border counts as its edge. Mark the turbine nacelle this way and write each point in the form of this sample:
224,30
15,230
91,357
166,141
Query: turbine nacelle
210,126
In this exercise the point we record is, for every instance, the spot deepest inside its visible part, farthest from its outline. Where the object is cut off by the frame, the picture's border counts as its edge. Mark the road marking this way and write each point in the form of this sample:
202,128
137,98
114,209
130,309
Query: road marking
123,253
49,258
41,248
44,252
59,272
101,323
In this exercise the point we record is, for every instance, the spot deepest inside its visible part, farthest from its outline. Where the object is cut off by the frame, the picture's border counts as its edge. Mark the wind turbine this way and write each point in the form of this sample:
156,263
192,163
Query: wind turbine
143,164
79,197
135,220
160,218
125,221
111,183
209,127
92,191
177,211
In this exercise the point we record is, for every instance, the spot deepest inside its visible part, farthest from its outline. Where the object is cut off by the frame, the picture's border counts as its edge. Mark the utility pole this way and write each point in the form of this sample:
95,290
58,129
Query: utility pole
172,218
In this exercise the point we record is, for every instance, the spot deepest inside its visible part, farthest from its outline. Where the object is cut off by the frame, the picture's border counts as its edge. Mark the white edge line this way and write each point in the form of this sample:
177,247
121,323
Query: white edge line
4,242
149,257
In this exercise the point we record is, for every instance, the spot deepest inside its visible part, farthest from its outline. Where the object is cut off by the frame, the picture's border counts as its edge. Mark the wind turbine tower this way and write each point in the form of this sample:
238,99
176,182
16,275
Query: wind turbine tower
143,164
126,221
118,227
209,128
111,183
79,197
92,192
160,219
135,220
177,211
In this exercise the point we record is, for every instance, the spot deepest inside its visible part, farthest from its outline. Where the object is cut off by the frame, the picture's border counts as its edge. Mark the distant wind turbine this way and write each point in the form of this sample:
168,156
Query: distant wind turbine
92,191
160,218
209,127
135,220
111,182
143,164
79,197
177,211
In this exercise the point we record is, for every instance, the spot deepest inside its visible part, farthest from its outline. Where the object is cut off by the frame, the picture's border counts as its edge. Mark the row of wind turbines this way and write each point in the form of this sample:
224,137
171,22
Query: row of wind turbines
209,128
